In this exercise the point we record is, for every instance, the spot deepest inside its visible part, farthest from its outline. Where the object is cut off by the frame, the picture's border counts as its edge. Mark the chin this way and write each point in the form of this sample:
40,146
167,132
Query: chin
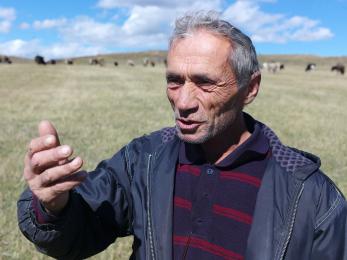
193,138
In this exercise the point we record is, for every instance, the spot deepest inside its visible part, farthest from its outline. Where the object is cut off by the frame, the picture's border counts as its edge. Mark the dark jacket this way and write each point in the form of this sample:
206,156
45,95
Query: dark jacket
299,213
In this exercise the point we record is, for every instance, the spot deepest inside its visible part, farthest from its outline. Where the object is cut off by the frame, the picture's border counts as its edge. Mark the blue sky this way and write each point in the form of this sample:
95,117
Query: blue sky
58,29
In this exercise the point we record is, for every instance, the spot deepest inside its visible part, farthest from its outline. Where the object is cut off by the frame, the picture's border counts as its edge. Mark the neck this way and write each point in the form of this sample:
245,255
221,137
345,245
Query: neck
219,147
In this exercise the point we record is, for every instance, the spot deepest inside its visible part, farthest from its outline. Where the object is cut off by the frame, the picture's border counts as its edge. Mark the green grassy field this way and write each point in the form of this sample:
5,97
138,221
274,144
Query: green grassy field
99,109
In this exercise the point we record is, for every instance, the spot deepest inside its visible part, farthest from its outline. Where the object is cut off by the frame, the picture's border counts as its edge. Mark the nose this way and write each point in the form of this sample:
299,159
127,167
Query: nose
186,102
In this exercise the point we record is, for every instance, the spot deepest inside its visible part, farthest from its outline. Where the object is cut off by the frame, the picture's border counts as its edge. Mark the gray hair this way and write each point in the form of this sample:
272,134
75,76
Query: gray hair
243,58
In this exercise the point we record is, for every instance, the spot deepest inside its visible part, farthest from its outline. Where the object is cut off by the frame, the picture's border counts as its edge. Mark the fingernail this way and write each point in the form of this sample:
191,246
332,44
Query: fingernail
65,150
76,161
49,140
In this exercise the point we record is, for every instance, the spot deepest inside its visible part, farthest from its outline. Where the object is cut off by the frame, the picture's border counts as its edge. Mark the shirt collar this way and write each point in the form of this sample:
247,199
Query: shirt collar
255,146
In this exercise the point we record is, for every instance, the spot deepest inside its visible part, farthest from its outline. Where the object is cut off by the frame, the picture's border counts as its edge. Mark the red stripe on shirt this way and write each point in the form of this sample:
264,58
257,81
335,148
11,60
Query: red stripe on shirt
207,247
182,203
186,168
241,177
233,214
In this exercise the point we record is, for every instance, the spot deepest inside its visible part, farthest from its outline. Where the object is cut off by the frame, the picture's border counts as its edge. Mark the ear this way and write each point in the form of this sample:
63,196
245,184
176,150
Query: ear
253,88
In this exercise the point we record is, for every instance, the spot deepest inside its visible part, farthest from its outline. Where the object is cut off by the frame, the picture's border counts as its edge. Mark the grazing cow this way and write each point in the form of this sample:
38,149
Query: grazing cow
0,59
165,62
93,61
39,60
339,68
69,61
152,63
52,62
96,61
145,61
131,63
273,66
311,67
7,60
115,63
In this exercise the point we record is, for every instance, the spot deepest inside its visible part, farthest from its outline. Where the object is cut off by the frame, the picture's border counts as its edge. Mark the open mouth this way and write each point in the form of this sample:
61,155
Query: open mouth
187,125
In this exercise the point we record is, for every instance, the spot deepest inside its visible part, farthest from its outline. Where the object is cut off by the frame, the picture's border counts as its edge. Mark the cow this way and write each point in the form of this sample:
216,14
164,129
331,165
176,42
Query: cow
131,63
145,62
165,62
52,62
39,60
311,67
69,61
96,61
273,66
339,68
115,63
152,63
7,60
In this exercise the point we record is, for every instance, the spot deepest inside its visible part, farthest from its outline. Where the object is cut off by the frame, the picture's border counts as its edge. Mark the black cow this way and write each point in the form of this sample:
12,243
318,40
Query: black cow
339,68
69,61
40,60
115,63
52,62
311,66
7,60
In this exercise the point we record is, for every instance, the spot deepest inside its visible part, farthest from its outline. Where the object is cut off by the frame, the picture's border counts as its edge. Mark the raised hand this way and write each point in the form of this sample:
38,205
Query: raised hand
48,171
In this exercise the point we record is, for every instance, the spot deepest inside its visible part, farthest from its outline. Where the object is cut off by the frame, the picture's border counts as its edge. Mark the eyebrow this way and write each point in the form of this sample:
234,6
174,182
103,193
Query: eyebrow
173,75
195,77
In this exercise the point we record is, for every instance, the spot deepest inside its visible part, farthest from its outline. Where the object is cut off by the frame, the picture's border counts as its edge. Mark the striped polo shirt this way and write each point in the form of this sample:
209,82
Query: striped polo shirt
214,203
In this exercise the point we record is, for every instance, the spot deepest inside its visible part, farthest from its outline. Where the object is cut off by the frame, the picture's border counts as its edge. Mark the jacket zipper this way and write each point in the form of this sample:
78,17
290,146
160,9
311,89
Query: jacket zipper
149,216
291,223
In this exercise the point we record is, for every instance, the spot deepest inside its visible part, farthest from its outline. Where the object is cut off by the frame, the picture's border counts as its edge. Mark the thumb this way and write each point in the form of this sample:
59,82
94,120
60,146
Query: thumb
47,128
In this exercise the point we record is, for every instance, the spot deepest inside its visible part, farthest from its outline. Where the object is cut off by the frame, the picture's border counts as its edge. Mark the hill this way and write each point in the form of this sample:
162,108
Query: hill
159,56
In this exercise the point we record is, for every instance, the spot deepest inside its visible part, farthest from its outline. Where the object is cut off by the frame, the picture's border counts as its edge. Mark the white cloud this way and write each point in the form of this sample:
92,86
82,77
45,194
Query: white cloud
145,20
49,23
274,28
24,26
8,13
20,47
110,4
7,16
31,48
147,24
87,30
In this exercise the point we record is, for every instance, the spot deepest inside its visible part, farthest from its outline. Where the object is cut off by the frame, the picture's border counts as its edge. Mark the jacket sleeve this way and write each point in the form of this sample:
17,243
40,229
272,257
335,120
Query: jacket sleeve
99,211
330,241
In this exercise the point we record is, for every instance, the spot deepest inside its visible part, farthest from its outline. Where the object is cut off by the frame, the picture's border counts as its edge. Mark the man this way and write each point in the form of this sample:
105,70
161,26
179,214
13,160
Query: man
219,185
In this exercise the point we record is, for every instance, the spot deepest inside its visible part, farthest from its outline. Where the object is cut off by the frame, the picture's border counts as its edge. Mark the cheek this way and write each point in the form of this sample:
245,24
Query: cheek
171,97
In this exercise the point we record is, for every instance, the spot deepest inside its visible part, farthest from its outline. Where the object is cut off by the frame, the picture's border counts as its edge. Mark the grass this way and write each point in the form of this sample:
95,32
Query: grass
99,109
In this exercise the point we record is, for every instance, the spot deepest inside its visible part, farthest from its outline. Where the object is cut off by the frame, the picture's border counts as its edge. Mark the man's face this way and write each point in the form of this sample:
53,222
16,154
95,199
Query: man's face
202,87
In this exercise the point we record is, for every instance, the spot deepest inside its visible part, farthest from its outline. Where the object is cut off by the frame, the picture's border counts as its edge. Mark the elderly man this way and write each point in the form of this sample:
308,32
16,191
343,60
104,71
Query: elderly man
218,185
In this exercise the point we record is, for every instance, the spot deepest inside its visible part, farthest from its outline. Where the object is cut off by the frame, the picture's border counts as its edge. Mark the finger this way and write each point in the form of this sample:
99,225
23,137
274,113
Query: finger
47,128
28,174
42,143
68,184
48,158
60,173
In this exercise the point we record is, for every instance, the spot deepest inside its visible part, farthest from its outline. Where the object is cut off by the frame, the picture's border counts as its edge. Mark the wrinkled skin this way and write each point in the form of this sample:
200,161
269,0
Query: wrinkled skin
203,92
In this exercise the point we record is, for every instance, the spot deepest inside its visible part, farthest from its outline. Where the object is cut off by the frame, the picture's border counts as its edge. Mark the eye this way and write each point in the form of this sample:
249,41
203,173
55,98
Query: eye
204,83
174,81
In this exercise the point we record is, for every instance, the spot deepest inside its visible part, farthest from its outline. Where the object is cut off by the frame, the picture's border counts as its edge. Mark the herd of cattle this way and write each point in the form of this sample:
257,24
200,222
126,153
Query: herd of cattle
271,66
97,61
277,66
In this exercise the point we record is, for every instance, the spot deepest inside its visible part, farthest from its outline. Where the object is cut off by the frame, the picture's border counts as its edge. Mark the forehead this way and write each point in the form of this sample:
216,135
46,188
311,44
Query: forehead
200,48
